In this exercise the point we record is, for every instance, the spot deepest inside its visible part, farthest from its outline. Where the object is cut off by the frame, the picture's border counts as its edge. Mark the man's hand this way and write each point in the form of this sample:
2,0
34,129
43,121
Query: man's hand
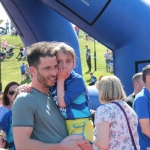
76,145
86,145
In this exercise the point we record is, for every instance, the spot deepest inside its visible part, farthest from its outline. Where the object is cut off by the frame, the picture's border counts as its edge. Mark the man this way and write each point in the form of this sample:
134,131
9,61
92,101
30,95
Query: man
141,106
93,79
37,121
88,58
7,26
138,84
107,59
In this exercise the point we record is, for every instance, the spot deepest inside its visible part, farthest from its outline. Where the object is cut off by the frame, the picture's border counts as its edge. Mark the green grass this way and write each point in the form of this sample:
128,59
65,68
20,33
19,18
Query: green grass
10,67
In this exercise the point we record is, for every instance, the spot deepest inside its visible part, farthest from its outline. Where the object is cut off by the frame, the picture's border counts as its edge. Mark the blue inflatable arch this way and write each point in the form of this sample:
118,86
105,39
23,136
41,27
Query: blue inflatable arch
121,25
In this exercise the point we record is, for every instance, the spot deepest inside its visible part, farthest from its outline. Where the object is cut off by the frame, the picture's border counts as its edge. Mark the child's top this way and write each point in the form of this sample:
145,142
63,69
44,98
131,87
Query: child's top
94,79
75,98
22,68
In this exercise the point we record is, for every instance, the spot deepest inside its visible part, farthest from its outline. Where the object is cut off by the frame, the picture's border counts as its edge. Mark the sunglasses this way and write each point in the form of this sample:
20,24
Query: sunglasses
11,92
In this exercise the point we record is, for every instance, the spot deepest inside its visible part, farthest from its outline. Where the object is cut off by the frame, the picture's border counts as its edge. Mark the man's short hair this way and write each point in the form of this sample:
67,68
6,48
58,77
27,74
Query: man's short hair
136,77
145,71
40,49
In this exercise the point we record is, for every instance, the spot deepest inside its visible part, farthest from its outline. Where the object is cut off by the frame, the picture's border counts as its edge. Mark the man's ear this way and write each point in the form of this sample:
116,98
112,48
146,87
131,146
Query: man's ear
135,84
32,70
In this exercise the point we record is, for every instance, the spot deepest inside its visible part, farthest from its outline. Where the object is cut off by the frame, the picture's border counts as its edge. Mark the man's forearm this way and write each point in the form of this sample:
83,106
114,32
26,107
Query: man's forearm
37,145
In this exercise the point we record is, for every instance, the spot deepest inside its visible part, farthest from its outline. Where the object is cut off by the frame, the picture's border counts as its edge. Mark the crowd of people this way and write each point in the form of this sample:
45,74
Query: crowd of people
53,112
9,29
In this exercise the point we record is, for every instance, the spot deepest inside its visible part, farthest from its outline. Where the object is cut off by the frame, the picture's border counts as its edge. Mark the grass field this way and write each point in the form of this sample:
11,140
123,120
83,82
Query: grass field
10,67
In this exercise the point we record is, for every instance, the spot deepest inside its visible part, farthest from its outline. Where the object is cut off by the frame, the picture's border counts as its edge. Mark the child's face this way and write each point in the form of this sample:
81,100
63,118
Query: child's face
65,60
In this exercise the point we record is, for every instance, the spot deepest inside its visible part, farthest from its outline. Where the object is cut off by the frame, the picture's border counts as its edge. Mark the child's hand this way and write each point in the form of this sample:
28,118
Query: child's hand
25,88
63,73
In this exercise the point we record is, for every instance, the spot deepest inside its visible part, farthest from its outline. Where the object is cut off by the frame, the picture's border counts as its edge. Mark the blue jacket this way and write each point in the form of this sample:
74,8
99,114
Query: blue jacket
75,98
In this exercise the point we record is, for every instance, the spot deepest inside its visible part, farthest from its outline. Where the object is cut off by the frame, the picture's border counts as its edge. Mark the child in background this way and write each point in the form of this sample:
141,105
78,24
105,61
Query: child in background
70,94
22,69
3,143
93,79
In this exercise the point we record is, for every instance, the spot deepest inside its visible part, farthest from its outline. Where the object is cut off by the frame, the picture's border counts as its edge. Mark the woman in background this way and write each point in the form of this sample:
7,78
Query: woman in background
111,129
7,98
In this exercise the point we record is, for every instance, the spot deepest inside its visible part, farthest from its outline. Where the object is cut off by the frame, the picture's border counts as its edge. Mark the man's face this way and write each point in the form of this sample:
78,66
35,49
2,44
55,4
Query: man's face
47,71
140,84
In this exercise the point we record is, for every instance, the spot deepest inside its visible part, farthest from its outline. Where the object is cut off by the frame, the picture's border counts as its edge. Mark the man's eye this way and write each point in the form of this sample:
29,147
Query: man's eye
56,67
59,62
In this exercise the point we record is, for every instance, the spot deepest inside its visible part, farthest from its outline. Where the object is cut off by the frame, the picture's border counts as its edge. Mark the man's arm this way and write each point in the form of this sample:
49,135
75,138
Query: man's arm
23,142
145,126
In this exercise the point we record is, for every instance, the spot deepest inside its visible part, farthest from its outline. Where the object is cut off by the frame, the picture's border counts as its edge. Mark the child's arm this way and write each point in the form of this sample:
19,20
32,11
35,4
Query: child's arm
62,76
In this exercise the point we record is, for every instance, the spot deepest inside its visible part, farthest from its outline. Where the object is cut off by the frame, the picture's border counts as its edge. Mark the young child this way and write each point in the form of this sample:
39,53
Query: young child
93,79
3,143
70,94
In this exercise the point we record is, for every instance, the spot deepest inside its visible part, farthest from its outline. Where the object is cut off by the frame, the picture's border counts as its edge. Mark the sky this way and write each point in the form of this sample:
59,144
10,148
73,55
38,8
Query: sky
3,15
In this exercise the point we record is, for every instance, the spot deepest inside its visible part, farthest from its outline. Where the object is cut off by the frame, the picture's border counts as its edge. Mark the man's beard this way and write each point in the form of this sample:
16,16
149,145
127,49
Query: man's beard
42,79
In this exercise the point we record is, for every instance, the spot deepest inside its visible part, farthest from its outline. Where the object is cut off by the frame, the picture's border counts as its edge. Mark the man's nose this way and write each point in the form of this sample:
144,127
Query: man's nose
54,71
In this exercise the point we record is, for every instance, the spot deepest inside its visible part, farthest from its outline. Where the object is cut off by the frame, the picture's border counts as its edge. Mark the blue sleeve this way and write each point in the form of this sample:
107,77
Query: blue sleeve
141,107
73,90
6,122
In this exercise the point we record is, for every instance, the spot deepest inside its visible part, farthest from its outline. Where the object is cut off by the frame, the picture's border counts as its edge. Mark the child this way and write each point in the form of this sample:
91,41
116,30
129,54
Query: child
93,79
71,94
3,142
22,69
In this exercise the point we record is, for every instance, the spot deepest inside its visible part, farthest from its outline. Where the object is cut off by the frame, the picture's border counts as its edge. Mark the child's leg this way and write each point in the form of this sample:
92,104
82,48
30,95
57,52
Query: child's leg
81,126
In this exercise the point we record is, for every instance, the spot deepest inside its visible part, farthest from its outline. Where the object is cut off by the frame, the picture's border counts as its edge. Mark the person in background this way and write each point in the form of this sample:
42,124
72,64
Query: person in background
6,124
111,129
111,61
27,71
77,30
20,53
4,44
22,69
3,143
88,58
107,59
7,26
7,98
138,84
37,122
93,79
141,105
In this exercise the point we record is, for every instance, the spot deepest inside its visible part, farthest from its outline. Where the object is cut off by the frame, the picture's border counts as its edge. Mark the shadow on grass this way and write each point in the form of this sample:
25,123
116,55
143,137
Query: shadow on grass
88,80
87,72
26,81
21,59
